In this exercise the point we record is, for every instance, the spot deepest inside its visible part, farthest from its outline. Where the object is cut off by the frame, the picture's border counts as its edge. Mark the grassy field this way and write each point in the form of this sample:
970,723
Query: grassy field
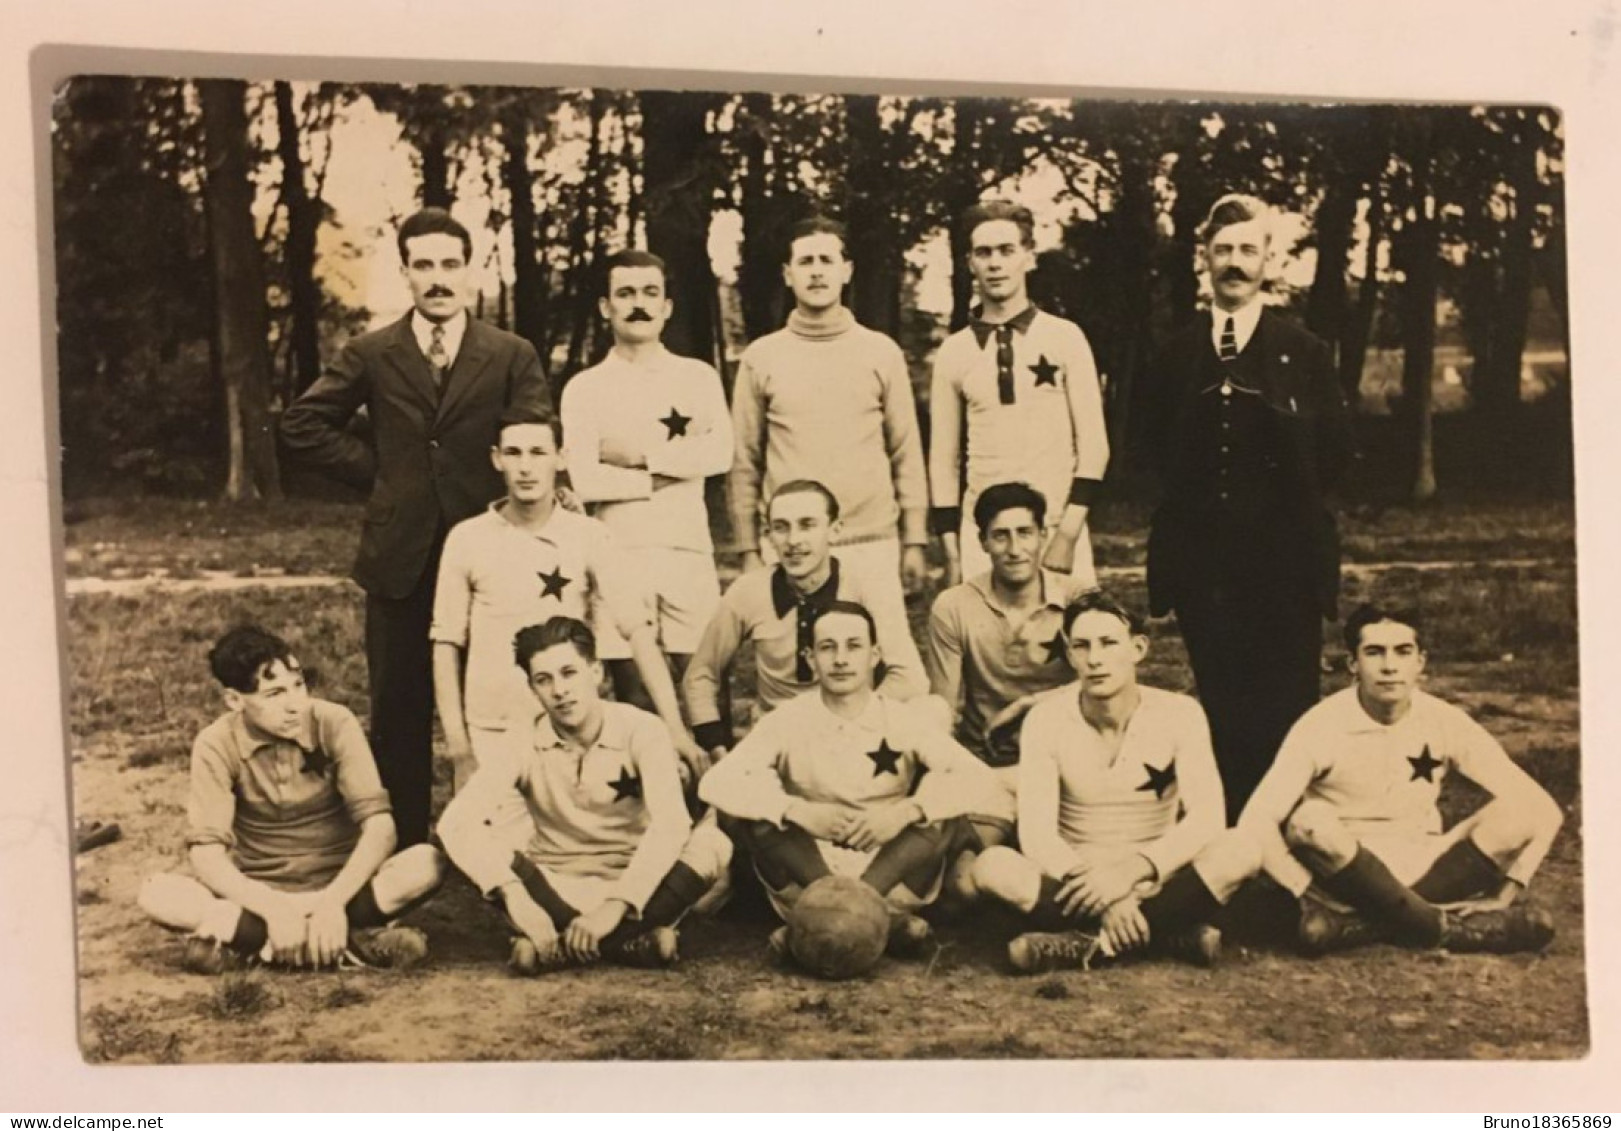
1502,638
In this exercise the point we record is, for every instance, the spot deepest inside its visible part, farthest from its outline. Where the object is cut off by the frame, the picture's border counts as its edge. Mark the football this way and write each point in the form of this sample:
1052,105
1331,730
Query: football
838,928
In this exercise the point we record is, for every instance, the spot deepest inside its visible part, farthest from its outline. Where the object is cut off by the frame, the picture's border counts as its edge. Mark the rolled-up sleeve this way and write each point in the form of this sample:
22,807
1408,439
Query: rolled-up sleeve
211,800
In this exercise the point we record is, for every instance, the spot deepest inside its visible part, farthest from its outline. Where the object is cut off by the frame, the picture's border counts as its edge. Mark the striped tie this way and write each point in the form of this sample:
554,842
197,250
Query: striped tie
440,359
1229,341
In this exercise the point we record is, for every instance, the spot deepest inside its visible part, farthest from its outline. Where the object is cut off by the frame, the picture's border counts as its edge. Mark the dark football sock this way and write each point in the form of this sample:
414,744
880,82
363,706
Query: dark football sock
362,911
1366,884
1047,915
1183,902
783,856
1461,872
676,893
557,909
916,851
251,934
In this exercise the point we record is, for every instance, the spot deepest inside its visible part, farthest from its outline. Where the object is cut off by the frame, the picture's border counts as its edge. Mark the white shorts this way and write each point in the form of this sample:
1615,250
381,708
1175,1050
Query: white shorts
852,862
708,852
1408,854
683,592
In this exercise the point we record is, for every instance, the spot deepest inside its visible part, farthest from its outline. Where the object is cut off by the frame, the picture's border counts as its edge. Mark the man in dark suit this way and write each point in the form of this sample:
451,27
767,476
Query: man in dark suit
435,384
1244,420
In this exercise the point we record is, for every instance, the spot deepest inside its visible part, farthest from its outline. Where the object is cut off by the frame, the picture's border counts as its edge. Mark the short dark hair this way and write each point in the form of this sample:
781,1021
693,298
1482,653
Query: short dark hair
1370,613
848,608
1234,208
633,257
1097,601
806,487
986,211
816,226
536,638
515,414
433,222
1005,497
238,657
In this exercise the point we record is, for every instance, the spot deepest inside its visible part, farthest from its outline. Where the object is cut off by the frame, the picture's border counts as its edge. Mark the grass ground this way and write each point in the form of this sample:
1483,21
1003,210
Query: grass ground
1502,640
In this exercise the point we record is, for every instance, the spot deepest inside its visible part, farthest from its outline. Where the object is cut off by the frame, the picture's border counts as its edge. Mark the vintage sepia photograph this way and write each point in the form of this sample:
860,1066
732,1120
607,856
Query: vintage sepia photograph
619,573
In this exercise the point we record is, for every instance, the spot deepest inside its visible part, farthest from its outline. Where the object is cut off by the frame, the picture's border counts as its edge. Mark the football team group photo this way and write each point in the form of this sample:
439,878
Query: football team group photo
641,574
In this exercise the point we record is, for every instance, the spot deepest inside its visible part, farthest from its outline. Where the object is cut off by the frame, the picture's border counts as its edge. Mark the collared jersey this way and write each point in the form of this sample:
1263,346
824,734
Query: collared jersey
803,750
673,409
496,578
614,811
753,609
1386,779
1050,433
1072,793
288,811
980,659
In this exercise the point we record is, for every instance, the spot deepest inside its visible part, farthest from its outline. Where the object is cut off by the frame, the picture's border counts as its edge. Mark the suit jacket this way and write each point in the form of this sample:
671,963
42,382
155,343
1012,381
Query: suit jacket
1308,433
428,464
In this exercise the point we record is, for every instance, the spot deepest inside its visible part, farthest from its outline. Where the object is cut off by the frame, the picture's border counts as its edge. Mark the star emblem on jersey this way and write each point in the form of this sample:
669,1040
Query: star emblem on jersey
676,423
627,785
1056,648
554,583
316,762
885,760
1159,780
1424,766
1046,372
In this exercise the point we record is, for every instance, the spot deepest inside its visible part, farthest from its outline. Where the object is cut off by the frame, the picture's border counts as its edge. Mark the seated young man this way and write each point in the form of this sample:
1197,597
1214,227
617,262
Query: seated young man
1120,812
775,607
996,643
521,562
290,836
612,862
824,784
1348,810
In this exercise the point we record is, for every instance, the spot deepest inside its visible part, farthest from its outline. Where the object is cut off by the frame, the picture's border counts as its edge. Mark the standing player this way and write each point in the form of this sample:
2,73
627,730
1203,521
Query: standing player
827,399
434,384
525,560
611,862
776,608
1350,807
641,432
1120,811
824,785
1244,418
996,643
1018,390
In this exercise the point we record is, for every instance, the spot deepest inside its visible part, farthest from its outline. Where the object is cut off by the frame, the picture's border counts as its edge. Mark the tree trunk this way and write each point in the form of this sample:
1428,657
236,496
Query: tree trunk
1326,304
436,190
1420,246
303,222
876,288
1513,311
678,186
1356,332
582,294
963,190
766,215
240,292
528,272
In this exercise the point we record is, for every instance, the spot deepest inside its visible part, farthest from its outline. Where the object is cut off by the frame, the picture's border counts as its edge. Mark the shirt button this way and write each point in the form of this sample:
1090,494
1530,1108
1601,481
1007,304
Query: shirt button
434,444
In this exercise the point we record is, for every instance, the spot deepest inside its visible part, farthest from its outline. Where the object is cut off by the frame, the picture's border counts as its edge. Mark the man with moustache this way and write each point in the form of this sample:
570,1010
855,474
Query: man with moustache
1247,428
434,384
1016,390
774,610
827,399
641,431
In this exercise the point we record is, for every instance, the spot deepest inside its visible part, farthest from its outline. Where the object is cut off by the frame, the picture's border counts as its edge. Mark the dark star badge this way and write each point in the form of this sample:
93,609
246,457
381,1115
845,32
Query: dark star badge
1056,648
1424,766
316,762
885,760
627,785
554,583
1046,372
1159,780
676,423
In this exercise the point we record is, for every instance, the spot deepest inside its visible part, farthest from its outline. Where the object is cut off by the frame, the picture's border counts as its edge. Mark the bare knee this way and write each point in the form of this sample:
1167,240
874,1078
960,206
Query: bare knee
1228,860
708,851
1315,827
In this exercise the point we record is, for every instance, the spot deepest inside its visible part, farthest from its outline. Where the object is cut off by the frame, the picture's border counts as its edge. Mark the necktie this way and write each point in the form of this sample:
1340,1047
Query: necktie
1229,341
439,358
